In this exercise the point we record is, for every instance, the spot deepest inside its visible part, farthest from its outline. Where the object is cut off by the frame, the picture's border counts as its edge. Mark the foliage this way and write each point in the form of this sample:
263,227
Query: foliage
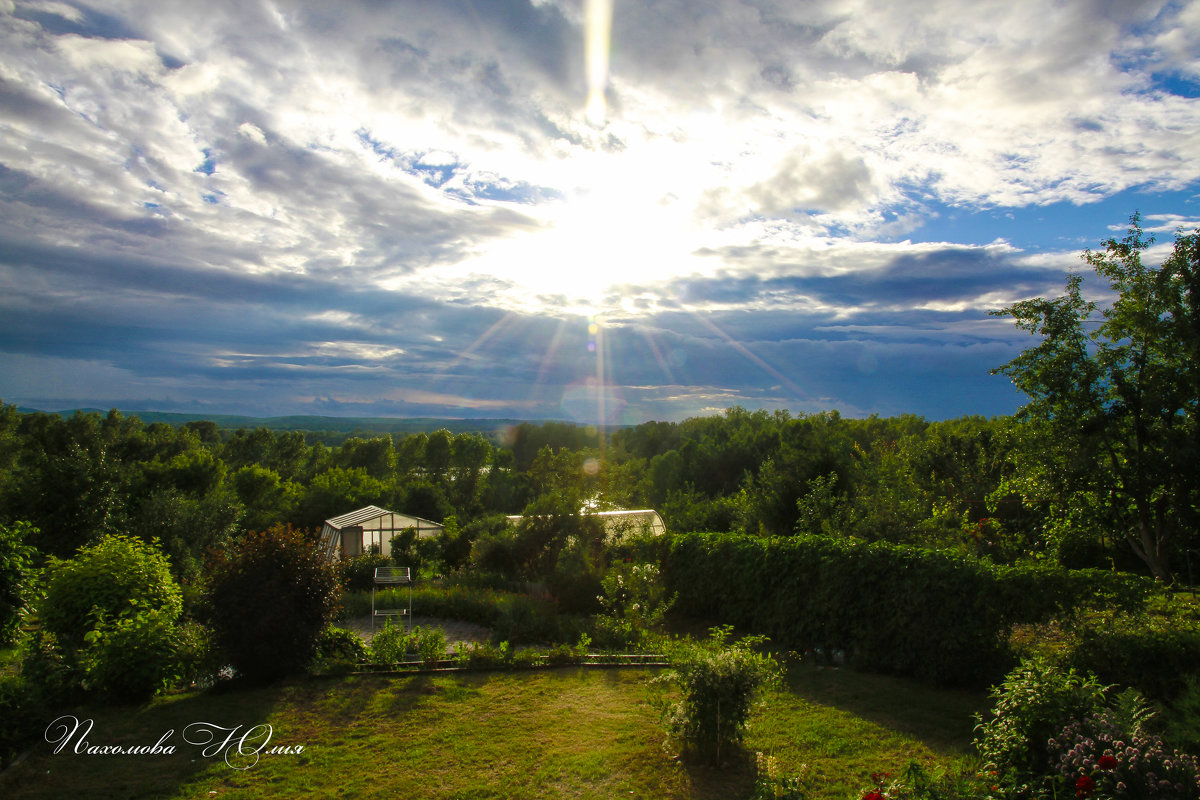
923,613
1155,655
1182,716
935,615
23,714
1032,704
390,644
771,783
1101,756
634,602
393,645
116,576
17,578
339,644
357,573
130,658
718,683
476,655
1113,398
199,662
917,782
267,599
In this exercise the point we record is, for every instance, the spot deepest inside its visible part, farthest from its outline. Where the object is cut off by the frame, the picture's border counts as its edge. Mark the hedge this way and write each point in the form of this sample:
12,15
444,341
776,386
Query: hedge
934,615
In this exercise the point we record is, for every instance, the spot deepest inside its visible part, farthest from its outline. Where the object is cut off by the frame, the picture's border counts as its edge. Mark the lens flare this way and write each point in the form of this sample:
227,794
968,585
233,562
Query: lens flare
596,46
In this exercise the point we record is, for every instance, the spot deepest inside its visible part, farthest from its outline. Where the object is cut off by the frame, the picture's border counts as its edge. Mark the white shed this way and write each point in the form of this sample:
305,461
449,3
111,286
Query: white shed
356,532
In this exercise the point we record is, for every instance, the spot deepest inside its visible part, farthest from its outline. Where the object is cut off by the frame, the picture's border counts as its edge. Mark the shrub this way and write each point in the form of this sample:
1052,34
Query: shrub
109,579
267,599
391,644
1183,717
358,572
198,659
1150,653
340,645
718,684
1102,756
430,643
394,645
131,657
635,602
17,578
23,714
1032,704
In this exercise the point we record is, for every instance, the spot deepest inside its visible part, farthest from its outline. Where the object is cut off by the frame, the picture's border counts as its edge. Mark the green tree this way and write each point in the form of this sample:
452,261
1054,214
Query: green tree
1113,393
17,578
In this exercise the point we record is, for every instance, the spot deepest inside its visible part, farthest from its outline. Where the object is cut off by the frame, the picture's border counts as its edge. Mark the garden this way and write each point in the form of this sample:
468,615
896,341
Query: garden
879,694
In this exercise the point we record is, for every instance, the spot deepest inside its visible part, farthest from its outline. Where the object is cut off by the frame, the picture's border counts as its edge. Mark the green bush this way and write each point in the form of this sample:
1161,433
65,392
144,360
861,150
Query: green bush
52,669
358,572
110,578
1182,717
1033,703
267,599
635,601
430,643
199,661
390,645
1154,655
23,715
718,683
130,658
340,645
17,578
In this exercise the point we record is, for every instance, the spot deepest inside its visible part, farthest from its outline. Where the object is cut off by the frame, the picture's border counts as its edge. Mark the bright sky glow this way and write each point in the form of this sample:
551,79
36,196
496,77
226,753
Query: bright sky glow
420,208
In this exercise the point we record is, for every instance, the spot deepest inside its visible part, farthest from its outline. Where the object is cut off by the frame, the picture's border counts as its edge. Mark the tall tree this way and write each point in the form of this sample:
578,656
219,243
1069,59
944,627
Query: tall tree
1114,393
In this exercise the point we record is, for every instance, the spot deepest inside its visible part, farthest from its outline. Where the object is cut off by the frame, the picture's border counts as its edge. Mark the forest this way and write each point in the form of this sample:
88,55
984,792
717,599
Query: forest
905,480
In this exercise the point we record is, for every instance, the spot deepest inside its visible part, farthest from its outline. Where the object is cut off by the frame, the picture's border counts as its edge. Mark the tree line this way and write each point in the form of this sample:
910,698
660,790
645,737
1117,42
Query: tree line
1096,470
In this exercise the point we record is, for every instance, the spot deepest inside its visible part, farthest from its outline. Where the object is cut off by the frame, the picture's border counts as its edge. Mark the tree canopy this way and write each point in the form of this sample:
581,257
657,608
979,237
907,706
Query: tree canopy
1113,442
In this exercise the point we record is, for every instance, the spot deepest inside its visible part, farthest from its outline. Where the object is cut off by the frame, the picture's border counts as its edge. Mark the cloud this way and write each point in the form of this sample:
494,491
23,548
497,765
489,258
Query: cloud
402,206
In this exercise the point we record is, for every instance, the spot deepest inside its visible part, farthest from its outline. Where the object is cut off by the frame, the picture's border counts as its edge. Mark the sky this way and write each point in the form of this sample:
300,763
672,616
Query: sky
567,209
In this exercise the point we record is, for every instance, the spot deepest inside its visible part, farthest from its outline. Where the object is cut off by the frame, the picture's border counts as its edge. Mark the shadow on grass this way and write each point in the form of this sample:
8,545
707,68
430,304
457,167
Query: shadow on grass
732,777
76,755
942,719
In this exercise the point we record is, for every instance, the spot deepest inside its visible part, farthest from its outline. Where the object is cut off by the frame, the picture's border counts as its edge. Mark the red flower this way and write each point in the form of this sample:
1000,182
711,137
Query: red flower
873,796
1107,762
1084,786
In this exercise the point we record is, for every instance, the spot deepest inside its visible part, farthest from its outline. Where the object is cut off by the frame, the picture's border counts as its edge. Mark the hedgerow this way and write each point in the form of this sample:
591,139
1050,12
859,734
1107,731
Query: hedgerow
938,616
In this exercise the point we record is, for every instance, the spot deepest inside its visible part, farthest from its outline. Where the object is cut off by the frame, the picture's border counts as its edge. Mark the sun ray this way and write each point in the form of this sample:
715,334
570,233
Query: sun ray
596,48
751,357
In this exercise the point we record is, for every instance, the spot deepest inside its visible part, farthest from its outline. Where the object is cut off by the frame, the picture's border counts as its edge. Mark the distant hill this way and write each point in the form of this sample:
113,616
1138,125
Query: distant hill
318,424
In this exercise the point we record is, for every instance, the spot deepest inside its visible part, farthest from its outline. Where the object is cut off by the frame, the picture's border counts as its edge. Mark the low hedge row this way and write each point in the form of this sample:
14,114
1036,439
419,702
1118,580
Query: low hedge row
934,615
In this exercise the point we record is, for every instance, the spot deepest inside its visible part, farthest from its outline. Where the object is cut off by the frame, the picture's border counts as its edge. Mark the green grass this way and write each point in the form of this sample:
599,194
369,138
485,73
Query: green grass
567,733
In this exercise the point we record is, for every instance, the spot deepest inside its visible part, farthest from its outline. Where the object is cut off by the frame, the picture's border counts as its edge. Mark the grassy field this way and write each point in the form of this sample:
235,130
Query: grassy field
565,733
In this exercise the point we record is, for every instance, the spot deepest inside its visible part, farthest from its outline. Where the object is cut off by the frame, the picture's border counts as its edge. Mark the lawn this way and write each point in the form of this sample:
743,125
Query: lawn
557,733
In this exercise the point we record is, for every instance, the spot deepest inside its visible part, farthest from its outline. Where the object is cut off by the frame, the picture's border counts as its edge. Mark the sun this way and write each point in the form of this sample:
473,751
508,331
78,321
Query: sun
603,248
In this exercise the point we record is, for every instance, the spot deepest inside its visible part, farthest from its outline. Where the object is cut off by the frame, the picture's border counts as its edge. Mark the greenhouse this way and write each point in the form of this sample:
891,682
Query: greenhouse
371,527
623,523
